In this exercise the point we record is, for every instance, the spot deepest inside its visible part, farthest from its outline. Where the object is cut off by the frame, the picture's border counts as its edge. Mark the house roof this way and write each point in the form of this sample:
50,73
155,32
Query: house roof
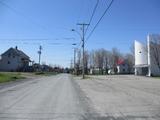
120,61
16,52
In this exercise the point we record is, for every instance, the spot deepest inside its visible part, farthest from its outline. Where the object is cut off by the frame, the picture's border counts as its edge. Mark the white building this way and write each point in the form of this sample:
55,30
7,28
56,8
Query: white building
13,60
122,68
147,57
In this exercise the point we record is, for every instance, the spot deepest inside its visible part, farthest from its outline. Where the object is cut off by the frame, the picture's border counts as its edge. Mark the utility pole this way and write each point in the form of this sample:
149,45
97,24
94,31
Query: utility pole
74,57
75,68
40,52
83,40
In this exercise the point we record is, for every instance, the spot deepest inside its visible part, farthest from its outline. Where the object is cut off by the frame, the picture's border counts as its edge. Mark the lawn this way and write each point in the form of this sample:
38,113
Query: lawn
9,76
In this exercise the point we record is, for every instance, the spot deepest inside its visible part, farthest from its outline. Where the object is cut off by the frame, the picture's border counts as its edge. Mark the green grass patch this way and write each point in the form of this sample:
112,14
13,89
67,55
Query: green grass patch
7,77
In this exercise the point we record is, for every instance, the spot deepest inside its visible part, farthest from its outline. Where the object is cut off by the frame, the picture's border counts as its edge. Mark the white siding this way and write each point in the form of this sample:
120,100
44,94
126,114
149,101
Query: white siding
9,64
140,54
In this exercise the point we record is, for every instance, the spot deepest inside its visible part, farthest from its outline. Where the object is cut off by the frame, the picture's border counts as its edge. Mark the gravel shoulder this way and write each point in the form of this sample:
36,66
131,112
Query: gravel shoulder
123,97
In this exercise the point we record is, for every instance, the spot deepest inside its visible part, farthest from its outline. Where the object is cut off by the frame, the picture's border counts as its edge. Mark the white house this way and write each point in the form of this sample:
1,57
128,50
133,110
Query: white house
147,57
122,68
14,60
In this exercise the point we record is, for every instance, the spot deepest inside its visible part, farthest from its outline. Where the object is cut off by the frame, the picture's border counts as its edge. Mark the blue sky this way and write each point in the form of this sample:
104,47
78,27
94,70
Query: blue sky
30,23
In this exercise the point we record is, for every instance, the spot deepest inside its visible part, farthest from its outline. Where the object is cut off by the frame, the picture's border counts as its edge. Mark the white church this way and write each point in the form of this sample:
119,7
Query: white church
147,57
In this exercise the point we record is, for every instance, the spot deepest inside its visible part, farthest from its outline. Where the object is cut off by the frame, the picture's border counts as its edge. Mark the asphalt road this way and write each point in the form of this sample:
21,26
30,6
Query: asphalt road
47,98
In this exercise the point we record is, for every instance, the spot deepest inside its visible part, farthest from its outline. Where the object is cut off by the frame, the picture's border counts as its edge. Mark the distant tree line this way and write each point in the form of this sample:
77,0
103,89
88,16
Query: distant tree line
102,60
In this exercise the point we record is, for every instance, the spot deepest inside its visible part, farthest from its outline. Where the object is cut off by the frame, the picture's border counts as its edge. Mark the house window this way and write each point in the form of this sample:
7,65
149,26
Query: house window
123,70
9,62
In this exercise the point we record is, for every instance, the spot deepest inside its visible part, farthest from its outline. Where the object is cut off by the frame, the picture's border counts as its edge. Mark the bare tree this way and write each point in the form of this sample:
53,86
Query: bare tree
91,59
103,59
86,61
99,60
116,55
106,61
79,57
78,62
129,59
155,50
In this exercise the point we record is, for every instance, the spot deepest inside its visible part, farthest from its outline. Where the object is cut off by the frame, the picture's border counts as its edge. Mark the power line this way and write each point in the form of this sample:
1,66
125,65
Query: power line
100,20
93,13
91,18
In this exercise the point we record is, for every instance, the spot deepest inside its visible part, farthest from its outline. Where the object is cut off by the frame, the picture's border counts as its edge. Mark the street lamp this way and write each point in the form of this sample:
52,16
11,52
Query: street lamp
73,30
74,44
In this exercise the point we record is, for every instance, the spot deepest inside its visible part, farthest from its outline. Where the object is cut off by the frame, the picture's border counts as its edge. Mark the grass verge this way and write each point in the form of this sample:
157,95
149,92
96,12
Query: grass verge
7,77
